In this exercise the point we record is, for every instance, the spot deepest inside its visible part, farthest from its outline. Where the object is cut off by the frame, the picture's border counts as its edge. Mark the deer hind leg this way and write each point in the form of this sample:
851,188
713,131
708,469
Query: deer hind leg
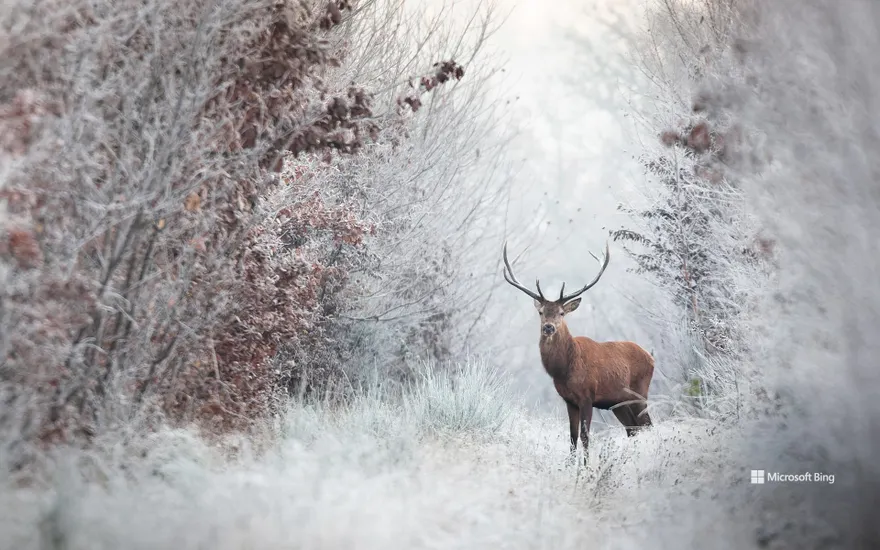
627,417
640,412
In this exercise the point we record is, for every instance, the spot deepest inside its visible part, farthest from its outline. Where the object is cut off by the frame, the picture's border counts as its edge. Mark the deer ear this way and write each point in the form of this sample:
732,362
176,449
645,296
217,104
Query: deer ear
572,305
538,305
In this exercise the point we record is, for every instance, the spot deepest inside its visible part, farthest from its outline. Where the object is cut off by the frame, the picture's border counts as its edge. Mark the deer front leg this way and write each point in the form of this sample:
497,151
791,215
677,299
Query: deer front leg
574,416
585,419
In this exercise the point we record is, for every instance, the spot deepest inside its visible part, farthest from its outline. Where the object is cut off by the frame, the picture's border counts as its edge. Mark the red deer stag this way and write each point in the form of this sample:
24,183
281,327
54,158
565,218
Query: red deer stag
586,373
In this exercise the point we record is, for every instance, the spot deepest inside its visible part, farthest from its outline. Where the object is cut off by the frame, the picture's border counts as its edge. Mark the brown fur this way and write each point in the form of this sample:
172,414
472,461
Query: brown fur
588,374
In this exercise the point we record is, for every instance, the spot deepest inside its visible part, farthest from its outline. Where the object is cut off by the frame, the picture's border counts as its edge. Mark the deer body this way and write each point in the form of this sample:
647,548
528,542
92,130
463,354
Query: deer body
588,374
599,371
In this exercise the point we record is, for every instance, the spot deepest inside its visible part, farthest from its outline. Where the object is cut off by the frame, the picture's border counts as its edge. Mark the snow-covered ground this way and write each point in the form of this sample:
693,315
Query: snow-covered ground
428,470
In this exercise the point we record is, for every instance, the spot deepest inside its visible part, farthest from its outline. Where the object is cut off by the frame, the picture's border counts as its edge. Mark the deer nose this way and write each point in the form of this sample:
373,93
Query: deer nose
549,329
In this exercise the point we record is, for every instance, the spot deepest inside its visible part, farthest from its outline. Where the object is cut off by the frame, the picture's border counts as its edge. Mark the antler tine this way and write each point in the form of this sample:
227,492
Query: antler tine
563,298
511,278
562,291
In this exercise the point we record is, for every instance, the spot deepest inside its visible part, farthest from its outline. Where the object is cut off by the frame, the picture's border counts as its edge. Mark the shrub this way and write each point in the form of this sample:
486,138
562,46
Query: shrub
166,233
469,399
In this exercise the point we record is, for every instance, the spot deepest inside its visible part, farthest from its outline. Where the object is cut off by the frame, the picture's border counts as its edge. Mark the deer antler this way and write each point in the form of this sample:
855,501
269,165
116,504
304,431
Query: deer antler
511,278
563,298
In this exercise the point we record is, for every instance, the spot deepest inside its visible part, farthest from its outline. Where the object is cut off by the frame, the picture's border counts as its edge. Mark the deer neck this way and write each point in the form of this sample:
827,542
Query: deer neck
557,352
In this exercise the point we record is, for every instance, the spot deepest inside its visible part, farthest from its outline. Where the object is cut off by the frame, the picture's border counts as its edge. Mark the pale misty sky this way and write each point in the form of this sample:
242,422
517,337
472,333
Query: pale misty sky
572,78
565,61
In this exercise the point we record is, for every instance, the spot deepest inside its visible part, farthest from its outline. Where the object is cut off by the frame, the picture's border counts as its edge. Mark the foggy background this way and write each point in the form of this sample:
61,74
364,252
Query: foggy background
569,79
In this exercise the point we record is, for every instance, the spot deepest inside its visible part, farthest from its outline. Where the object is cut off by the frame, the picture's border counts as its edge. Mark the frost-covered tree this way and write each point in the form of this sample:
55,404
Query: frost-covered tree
184,201
696,238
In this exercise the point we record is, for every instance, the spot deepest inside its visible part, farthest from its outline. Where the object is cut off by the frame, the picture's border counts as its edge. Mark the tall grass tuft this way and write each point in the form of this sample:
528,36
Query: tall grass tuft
472,398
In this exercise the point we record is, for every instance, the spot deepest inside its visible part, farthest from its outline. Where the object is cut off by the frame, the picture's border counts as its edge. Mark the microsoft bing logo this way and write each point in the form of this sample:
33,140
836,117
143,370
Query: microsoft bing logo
760,477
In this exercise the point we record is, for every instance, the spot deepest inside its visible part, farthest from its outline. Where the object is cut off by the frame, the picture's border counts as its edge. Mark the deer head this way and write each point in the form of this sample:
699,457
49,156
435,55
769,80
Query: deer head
552,312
